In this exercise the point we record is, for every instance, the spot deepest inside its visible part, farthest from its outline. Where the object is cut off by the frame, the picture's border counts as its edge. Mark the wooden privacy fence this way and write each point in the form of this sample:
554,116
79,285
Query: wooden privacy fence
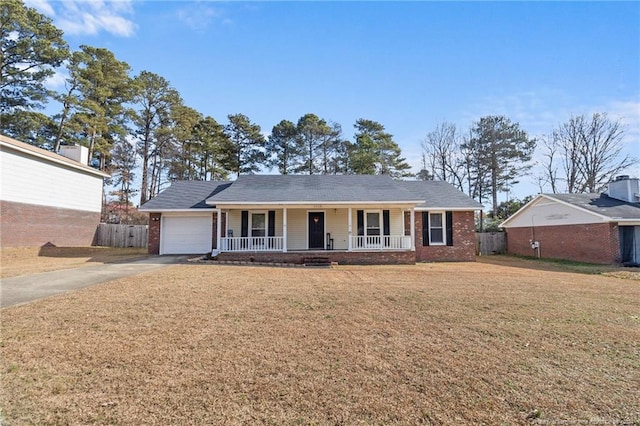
491,243
114,235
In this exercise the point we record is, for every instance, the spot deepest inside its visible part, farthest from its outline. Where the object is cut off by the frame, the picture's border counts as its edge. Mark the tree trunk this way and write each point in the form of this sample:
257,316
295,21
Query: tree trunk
144,187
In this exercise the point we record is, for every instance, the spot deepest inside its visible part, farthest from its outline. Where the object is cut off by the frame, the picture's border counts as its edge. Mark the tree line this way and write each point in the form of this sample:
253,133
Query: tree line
579,156
140,122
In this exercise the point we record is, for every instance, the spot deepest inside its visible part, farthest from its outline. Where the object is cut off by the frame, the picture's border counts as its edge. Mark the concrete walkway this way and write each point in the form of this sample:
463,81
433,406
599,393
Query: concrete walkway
27,288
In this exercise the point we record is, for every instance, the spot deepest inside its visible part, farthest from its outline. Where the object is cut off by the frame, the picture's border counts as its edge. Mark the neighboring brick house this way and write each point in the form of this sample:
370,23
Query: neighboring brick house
46,197
347,218
595,228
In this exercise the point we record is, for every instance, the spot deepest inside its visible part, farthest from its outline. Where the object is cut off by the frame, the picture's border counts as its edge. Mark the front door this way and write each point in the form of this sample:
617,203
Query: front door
316,230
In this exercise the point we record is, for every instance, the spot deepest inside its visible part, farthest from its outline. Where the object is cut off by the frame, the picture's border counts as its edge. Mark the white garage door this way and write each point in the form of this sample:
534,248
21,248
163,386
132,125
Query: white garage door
186,234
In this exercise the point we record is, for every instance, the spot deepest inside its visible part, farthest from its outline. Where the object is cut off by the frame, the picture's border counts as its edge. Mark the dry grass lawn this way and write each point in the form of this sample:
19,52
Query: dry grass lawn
427,344
31,260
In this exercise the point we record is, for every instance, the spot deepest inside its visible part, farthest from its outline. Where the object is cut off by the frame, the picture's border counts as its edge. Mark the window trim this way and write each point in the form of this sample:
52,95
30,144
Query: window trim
380,224
443,227
266,223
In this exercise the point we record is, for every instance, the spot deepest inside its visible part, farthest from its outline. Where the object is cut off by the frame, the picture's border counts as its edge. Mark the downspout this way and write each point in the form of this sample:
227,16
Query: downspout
534,244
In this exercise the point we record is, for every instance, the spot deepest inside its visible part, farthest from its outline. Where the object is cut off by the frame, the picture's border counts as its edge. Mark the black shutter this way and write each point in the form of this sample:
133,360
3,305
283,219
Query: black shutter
271,232
449,224
244,224
425,228
385,222
360,222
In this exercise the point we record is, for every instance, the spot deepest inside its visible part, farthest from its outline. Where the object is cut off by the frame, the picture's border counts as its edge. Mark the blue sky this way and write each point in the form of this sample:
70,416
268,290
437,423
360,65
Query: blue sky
408,65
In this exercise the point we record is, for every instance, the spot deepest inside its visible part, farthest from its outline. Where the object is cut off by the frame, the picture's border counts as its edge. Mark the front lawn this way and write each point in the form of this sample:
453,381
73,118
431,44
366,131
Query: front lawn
31,260
464,343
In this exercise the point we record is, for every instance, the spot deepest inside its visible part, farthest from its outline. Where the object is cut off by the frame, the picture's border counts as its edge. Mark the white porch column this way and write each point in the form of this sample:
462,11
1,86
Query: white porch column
218,230
349,231
413,229
284,230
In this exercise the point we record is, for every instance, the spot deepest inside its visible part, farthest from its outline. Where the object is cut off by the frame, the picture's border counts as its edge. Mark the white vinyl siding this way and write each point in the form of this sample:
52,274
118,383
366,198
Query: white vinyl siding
297,229
32,180
546,212
336,224
186,234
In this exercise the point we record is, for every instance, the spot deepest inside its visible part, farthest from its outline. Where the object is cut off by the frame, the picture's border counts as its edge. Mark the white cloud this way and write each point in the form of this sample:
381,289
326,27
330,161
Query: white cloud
42,6
77,17
57,80
199,16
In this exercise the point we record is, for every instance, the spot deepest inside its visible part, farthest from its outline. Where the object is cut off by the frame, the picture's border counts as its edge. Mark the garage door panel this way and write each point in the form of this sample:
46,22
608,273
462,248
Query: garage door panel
186,234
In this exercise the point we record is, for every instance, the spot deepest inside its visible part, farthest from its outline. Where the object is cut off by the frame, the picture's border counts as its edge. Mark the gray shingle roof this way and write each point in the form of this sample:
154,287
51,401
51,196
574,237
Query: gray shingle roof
314,189
185,195
602,204
439,195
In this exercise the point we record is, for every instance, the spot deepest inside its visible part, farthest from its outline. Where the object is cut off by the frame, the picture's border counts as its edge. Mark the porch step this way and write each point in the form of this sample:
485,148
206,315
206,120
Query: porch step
317,262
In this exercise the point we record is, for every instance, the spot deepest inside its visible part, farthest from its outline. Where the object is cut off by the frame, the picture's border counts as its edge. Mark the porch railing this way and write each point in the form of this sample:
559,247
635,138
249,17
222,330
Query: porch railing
381,242
251,244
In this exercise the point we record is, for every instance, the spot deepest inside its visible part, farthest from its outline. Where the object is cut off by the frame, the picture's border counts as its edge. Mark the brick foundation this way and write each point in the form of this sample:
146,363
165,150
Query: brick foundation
592,243
464,241
29,225
342,257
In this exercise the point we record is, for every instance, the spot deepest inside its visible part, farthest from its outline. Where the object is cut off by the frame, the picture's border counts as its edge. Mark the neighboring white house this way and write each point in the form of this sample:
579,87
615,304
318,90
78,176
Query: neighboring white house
596,228
46,197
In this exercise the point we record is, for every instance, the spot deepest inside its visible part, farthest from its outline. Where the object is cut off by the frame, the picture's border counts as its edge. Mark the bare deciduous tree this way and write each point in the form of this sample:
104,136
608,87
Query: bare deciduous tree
589,152
443,155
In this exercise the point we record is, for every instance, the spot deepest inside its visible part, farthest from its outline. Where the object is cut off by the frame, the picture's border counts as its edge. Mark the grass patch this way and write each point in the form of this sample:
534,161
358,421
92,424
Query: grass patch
32,260
560,265
463,343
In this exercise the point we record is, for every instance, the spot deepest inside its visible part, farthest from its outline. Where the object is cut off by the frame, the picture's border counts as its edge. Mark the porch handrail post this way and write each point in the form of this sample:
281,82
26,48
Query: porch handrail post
284,230
218,230
349,231
412,214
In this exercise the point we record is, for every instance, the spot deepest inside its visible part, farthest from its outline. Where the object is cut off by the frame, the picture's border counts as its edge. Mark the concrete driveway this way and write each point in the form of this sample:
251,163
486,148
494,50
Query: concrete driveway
27,288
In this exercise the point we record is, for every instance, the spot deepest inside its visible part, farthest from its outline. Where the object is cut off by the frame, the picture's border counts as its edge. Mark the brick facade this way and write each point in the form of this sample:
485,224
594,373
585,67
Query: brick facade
592,243
464,241
153,246
29,225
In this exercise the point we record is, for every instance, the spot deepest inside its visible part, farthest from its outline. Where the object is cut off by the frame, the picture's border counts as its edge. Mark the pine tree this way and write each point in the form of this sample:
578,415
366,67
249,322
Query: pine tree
30,50
243,152
282,148
375,152
498,151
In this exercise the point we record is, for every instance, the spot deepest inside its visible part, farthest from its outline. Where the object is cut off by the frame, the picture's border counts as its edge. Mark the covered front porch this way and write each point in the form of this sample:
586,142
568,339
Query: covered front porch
304,229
